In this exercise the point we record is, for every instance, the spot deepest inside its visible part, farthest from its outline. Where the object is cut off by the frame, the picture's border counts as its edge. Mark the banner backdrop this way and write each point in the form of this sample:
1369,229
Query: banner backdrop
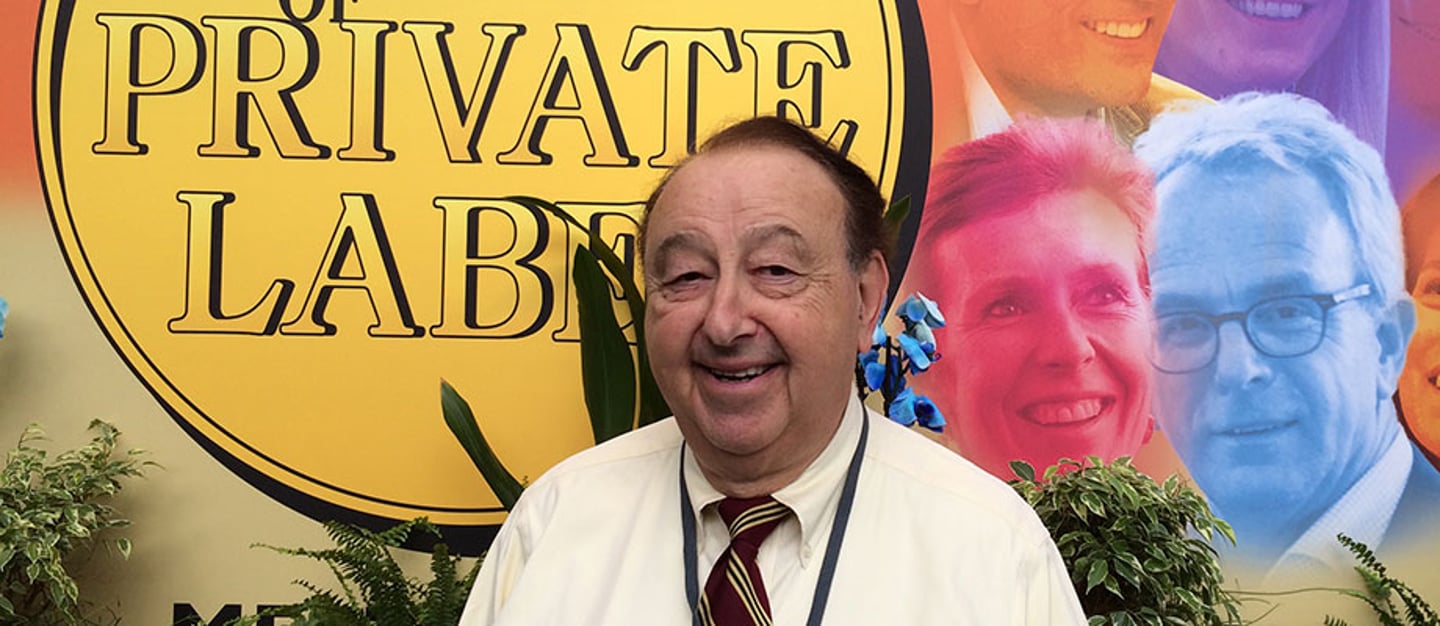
288,222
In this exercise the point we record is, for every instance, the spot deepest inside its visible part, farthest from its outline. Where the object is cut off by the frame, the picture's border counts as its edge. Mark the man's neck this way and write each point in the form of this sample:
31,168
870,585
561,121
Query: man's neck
747,477
1263,539
764,472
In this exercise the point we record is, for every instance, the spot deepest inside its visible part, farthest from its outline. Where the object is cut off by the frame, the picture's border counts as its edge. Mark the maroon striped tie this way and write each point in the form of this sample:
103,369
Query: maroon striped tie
734,593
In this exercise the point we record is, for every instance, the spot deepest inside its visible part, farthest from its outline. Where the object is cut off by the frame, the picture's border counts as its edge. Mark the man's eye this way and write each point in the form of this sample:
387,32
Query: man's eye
686,279
776,271
1003,309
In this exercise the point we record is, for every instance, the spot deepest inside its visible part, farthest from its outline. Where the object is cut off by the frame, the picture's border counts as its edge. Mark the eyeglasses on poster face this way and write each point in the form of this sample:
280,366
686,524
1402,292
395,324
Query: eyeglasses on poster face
1287,326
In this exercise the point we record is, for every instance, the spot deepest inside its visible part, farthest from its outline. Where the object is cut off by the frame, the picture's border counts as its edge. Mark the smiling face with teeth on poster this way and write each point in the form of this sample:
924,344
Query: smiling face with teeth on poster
1064,59
1332,51
1030,242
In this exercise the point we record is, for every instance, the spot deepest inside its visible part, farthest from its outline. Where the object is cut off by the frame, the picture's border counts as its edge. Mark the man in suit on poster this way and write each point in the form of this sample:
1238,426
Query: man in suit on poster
1281,328
993,59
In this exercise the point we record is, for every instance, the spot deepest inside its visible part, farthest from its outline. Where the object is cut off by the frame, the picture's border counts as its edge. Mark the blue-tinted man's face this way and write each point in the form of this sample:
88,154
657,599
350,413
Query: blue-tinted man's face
1269,439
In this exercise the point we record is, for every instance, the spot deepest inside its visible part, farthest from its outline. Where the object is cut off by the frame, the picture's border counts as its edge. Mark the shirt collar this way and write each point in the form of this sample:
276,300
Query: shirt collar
987,115
1363,513
813,496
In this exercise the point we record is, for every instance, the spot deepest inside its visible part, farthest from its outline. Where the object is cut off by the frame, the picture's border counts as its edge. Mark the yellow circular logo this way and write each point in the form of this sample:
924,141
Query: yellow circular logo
289,216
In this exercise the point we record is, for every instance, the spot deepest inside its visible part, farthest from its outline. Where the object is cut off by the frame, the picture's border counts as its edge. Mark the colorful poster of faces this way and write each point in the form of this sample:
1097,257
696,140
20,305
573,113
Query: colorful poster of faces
1172,231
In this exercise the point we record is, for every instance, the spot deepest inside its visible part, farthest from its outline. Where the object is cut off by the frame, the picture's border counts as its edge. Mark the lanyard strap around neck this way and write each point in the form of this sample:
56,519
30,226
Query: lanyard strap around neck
832,548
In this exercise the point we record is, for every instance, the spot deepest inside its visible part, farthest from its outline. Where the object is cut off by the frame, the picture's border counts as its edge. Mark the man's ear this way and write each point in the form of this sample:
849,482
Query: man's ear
874,280
1393,329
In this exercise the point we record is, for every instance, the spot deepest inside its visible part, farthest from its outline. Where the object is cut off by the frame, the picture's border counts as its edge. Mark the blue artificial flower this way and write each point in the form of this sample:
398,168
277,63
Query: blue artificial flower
925,336
918,309
878,337
928,414
893,373
902,409
919,357
874,369
4,310
910,408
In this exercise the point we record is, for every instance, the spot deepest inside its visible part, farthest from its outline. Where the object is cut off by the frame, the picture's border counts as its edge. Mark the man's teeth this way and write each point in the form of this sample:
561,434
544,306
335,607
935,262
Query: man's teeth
1269,8
745,374
1120,30
1064,412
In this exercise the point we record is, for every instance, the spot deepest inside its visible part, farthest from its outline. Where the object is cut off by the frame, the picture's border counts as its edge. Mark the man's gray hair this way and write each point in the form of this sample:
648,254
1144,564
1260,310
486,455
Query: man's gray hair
1296,135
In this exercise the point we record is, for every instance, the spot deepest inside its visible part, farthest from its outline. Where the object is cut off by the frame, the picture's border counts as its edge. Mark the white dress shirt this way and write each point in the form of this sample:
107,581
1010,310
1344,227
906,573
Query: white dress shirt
931,540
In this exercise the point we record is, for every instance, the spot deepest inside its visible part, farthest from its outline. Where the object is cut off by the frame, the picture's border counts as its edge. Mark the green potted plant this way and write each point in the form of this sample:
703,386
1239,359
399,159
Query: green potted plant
1380,592
1127,543
51,512
374,589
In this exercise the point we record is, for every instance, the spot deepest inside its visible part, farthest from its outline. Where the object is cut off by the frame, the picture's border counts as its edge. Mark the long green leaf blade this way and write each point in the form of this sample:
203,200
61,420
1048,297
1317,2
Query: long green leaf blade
603,253
894,218
606,367
652,403
462,423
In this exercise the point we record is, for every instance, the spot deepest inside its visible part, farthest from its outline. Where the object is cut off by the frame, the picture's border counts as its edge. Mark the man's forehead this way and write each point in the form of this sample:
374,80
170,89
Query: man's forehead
1263,231
751,184
1234,206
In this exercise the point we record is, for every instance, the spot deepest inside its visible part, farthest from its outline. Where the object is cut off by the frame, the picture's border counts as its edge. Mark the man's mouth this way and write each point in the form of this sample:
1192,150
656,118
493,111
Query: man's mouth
1119,29
1269,9
739,375
1255,430
1066,412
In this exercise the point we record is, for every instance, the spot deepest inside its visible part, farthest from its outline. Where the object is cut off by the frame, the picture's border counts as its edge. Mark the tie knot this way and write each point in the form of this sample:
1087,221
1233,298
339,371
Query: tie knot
751,519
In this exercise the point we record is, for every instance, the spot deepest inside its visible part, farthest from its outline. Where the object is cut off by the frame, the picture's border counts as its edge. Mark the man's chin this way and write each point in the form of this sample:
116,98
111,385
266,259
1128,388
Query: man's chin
1121,92
1249,494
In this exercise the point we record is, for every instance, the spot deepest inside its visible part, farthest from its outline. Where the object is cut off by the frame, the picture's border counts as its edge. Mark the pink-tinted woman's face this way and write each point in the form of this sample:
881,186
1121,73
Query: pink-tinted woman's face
1226,46
1044,353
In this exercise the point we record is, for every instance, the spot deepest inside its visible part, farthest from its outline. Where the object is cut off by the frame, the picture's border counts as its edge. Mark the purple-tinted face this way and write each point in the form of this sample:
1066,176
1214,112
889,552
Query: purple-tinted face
1414,49
1223,47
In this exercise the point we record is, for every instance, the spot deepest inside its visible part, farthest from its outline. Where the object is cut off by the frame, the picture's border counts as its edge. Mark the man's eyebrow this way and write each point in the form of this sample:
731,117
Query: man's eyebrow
682,241
773,234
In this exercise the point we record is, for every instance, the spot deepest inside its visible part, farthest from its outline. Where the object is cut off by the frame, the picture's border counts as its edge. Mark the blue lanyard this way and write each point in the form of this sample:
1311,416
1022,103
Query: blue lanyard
832,549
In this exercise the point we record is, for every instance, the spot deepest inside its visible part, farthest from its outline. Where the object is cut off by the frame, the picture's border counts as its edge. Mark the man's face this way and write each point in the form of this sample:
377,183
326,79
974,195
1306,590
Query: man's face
1044,353
1248,44
1419,389
1065,57
1267,438
754,316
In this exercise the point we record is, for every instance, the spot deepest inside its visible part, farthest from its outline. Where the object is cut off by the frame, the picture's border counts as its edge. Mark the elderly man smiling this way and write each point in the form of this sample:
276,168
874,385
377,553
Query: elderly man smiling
1282,323
773,496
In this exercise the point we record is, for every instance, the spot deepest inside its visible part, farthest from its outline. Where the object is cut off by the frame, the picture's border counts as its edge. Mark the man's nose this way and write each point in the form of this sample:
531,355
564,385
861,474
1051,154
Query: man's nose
1238,364
730,315
1065,343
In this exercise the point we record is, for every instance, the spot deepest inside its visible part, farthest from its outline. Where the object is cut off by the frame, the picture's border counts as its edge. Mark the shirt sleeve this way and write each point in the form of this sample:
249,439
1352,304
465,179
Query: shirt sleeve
499,571
1049,596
